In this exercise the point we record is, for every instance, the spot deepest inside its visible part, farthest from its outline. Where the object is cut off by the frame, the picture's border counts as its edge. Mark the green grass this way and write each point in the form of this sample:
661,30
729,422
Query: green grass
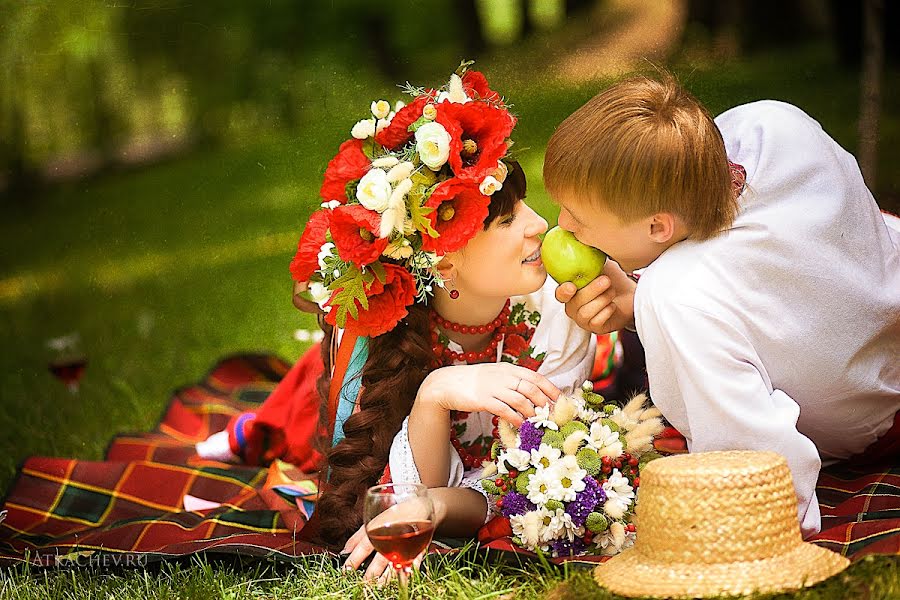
161,271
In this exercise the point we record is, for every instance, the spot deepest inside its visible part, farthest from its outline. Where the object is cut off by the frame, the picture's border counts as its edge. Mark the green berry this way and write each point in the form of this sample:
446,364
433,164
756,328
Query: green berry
590,461
596,522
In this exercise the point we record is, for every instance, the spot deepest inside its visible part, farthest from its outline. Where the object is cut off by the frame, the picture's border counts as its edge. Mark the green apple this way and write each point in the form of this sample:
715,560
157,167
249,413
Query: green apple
567,259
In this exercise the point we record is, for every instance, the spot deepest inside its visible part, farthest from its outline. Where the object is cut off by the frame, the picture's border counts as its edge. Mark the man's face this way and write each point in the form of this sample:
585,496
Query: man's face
628,244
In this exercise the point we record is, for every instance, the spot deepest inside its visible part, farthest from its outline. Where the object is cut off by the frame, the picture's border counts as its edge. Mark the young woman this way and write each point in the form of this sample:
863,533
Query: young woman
424,256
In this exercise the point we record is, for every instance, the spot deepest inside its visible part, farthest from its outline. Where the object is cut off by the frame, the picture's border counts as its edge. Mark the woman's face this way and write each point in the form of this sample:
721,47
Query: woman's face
504,260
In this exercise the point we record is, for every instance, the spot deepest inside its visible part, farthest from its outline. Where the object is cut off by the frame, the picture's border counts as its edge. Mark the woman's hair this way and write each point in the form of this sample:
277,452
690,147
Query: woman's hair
398,362
641,147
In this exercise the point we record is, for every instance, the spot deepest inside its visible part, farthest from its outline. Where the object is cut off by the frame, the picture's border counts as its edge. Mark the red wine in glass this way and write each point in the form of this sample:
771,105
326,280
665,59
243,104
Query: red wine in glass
69,372
400,543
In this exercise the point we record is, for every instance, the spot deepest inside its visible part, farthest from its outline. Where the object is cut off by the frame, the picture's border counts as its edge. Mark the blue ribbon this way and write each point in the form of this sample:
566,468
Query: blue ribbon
350,387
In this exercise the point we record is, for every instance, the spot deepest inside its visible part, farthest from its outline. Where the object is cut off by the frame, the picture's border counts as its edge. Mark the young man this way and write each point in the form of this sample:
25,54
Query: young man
769,307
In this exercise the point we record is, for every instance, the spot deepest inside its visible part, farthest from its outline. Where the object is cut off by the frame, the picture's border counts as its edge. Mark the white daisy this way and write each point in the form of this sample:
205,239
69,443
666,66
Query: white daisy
544,456
568,479
541,486
604,440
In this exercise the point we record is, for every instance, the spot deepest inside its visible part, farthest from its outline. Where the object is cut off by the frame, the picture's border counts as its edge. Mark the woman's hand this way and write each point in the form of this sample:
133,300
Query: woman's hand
302,303
508,391
360,548
605,304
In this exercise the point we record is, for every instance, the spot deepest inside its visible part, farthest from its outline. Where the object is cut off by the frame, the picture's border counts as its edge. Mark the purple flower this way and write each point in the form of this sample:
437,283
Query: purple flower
529,437
585,501
515,503
564,547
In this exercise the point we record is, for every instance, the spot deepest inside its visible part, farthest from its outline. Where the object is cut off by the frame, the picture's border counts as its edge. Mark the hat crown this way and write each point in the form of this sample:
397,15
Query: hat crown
717,507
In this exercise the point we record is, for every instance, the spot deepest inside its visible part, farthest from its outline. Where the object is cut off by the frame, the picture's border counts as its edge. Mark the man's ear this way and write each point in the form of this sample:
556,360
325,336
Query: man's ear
661,227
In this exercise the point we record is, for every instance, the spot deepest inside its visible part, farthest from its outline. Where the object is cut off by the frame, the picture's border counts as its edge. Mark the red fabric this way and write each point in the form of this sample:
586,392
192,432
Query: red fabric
286,424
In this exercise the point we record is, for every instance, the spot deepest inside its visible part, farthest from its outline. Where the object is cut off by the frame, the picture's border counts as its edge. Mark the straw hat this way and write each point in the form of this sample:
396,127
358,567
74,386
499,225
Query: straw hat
717,523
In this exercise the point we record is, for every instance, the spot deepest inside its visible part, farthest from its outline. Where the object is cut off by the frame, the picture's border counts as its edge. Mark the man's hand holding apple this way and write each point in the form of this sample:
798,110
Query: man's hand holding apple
605,304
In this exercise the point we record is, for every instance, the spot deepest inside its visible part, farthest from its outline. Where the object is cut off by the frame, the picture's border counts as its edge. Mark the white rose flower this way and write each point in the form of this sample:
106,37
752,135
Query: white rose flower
363,129
374,190
383,123
429,111
433,145
400,171
489,185
381,108
325,252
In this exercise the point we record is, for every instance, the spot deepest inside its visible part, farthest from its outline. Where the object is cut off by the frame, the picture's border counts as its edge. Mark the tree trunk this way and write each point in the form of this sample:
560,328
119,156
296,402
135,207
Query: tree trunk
870,88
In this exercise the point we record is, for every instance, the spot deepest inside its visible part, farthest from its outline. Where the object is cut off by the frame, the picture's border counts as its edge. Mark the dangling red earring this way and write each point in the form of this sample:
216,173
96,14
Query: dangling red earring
454,294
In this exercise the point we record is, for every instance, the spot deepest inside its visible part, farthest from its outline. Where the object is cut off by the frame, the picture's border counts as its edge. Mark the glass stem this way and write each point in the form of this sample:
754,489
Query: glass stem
403,582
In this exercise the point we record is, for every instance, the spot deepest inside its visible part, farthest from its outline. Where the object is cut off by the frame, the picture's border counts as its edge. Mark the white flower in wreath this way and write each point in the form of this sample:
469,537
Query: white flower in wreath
519,459
542,418
320,295
489,185
544,456
381,109
363,129
374,190
433,145
325,253
568,479
604,440
541,486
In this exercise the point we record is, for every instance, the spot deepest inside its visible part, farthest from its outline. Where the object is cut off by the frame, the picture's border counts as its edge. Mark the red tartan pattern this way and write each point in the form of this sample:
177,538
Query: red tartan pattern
132,501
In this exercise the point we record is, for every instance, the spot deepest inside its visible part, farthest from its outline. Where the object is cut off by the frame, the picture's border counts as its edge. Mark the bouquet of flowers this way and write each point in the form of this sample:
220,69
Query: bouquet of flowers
412,184
566,479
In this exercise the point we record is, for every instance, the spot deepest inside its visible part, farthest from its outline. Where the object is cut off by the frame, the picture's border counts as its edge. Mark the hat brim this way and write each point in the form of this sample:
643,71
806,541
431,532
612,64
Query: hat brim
632,574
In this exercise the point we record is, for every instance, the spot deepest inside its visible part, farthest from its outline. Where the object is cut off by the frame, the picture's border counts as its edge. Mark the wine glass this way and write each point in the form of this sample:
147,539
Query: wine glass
67,361
399,522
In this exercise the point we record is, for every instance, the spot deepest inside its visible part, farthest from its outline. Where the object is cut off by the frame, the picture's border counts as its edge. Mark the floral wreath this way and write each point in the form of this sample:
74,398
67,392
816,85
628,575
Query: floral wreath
411,185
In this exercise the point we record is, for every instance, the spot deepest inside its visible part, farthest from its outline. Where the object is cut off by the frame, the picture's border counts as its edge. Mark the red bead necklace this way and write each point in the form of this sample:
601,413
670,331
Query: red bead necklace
499,327
447,356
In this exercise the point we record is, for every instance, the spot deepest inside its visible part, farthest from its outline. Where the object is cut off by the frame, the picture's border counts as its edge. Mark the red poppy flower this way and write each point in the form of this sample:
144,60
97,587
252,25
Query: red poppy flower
348,164
387,303
306,260
459,213
476,86
485,125
397,133
354,229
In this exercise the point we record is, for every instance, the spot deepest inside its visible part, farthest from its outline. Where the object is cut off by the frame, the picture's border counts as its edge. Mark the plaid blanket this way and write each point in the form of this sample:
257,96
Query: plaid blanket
133,503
